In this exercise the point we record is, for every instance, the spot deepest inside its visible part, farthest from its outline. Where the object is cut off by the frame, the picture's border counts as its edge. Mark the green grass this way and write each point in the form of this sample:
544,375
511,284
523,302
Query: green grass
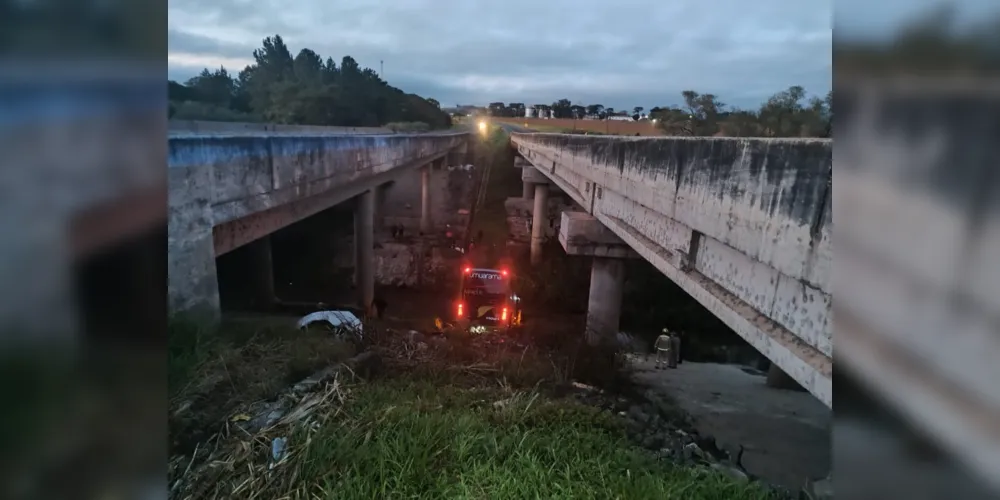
417,440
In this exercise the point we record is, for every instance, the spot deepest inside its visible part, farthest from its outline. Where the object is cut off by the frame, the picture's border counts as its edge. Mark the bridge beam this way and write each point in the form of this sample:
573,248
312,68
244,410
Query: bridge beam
530,177
582,234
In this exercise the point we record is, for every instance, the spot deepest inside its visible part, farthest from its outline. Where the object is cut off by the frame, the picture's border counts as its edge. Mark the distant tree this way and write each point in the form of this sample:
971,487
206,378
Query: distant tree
577,111
562,108
784,115
305,90
434,102
703,112
637,110
595,109
496,109
216,87
740,123
675,121
515,109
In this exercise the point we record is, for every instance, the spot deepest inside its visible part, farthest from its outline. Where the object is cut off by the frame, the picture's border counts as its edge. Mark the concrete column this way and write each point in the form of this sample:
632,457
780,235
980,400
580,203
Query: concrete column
607,278
379,206
261,272
539,221
527,190
364,241
192,277
425,199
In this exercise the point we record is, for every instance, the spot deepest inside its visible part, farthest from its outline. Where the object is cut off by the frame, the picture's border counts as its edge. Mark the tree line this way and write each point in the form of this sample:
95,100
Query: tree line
304,90
785,114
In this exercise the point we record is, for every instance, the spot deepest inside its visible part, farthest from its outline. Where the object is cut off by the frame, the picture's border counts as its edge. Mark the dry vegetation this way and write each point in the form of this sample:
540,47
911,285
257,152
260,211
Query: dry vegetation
436,416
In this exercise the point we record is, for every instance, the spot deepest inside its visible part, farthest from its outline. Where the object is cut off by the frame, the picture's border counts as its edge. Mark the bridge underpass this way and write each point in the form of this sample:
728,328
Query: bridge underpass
742,225
232,186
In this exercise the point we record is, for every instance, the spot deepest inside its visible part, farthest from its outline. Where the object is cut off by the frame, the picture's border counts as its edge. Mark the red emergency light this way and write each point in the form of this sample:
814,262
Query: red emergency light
467,270
461,308
503,315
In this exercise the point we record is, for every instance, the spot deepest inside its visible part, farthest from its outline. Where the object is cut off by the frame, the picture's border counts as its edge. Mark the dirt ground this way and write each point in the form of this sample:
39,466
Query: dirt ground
785,434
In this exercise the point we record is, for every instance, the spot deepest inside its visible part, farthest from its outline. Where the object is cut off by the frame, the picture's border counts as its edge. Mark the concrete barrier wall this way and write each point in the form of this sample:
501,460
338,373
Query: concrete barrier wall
751,215
250,174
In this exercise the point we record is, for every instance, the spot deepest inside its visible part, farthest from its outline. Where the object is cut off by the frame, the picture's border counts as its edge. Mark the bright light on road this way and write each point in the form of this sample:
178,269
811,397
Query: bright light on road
482,126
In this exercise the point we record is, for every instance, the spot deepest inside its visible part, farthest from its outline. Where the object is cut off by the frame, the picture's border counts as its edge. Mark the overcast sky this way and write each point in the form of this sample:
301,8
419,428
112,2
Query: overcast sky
619,53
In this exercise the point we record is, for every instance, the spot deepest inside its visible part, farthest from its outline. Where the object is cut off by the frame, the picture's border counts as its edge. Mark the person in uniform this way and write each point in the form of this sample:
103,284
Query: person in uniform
663,346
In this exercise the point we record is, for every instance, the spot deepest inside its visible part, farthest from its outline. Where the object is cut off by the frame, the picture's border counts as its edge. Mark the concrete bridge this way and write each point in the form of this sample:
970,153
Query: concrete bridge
232,185
742,225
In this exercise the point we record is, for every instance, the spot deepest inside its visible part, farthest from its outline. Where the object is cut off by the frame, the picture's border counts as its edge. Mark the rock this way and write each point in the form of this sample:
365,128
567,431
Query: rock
730,471
692,452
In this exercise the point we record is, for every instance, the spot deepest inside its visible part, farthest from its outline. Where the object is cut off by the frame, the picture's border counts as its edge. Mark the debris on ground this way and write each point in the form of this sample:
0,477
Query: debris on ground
234,467
340,322
278,445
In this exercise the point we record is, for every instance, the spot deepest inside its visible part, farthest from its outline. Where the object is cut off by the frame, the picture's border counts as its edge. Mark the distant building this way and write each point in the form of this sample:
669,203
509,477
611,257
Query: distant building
529,112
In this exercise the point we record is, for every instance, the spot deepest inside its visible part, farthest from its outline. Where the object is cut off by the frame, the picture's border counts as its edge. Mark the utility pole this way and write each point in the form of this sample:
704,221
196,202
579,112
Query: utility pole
381,67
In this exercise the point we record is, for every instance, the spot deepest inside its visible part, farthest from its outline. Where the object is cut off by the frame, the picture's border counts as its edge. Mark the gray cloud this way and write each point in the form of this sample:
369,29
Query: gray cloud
622,54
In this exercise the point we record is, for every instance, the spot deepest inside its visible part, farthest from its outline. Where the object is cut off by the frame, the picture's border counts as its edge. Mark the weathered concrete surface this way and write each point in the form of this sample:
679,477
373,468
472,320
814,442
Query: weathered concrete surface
230,188
918,284
532,176
604,304
582,234
743,225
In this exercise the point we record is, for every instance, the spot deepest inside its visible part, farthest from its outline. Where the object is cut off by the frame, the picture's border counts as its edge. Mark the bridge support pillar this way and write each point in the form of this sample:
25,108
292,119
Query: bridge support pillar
539,219
527,190
425,199
364,241
192,276
261,278
607,279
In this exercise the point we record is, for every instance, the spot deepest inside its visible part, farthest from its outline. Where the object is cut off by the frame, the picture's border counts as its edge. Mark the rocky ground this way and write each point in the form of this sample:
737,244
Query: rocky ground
784,434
